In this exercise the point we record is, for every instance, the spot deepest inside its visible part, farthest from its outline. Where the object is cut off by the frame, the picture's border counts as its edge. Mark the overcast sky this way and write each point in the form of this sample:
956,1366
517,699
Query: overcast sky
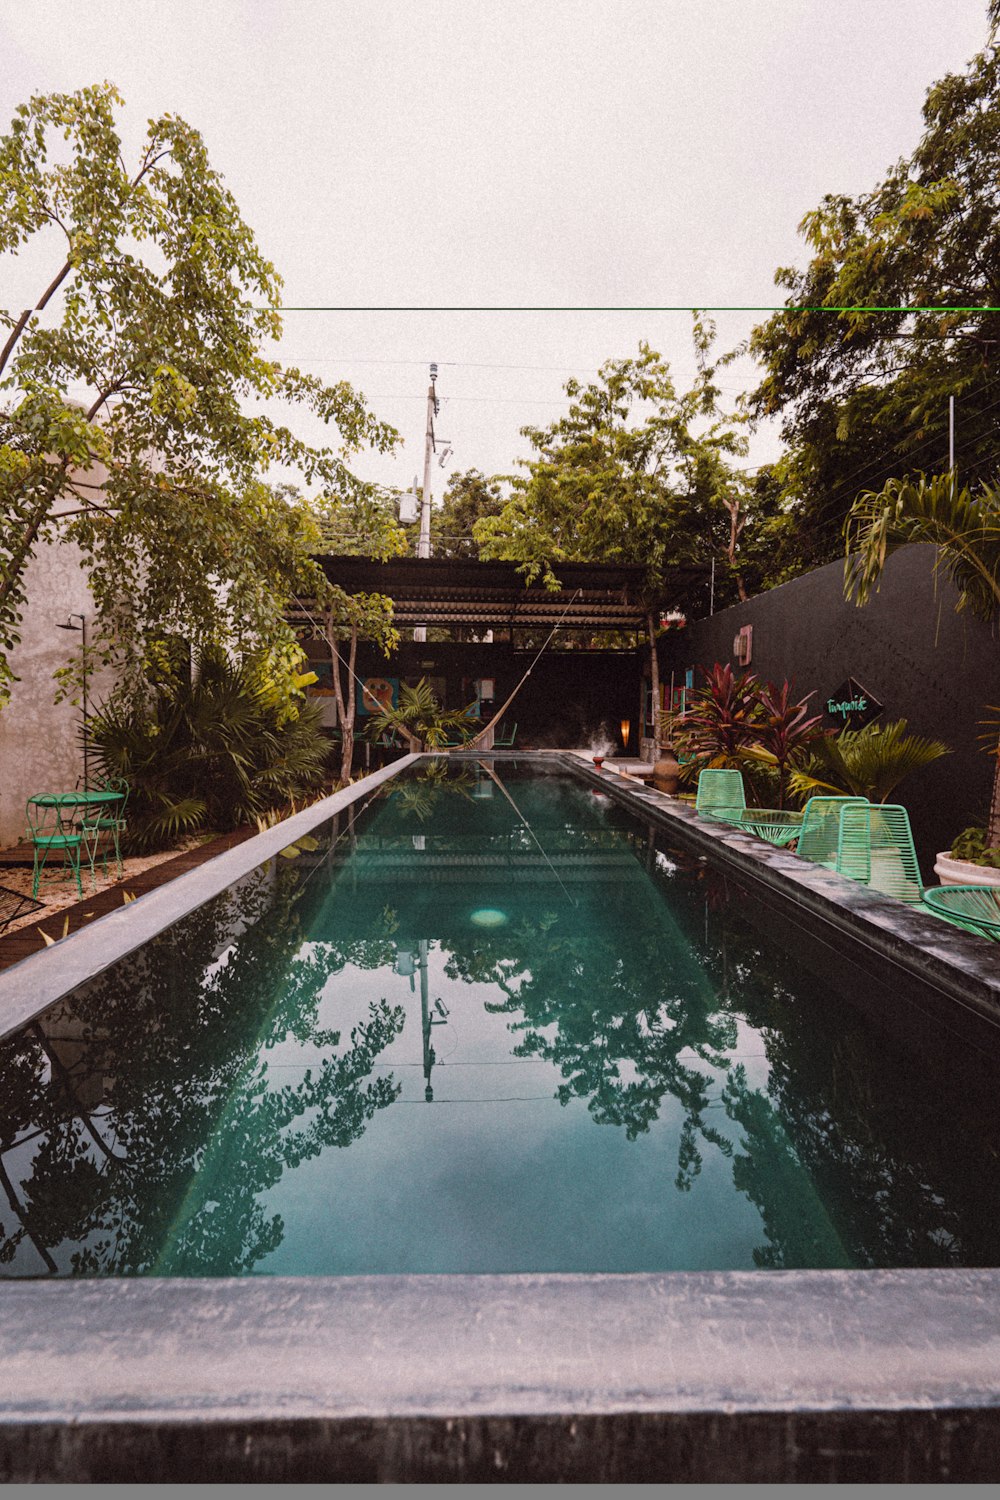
468,154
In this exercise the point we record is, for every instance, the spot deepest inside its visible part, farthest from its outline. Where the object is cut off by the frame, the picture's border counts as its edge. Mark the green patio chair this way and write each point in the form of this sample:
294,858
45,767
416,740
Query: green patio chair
974,907
505,739
102,830
49,835
875,847
720,795
820,830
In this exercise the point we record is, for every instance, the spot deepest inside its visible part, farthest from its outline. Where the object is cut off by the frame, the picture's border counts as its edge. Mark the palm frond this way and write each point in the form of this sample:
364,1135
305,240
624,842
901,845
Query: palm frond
964,526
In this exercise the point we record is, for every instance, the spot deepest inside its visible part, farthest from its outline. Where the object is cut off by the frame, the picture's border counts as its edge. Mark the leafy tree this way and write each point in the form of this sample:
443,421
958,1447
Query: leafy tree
863,394
624,477
364,524
164,304
470,497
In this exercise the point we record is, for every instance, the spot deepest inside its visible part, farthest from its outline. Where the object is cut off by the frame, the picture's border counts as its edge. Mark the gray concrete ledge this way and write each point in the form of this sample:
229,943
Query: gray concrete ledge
763,1377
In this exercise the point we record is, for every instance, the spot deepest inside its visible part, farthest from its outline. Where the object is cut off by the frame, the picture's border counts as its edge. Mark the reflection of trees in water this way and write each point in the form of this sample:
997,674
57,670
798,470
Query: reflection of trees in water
145,1113
589,1003
901,1169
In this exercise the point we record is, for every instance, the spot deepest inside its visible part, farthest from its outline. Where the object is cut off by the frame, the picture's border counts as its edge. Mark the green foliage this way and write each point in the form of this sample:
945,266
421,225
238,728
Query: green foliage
973,844
165,303
215,748
863,395
470,497
965,527
869,762
420,716
625,476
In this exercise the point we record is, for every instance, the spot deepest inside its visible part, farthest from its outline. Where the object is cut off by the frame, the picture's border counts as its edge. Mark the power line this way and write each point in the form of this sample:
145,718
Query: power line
699,307
881,463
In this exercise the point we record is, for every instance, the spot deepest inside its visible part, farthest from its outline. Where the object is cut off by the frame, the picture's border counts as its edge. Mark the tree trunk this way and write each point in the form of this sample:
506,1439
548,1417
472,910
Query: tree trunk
736,526
347,723
654,674
338,687
993,827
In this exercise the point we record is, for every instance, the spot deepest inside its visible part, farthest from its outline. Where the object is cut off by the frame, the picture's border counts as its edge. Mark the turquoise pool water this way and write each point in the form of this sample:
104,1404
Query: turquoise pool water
492,1024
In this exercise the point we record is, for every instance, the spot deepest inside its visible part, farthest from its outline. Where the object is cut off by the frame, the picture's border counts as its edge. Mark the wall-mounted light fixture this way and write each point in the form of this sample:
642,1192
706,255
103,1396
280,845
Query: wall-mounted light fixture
626,728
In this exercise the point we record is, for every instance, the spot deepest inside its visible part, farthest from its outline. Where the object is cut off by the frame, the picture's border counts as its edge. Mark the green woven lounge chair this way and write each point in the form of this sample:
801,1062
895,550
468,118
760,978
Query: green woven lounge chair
721,797
974,907
875,846
820,831
720,794
775,825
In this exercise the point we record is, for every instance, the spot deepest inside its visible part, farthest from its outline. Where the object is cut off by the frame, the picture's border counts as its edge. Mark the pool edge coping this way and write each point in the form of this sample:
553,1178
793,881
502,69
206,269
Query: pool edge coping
30,986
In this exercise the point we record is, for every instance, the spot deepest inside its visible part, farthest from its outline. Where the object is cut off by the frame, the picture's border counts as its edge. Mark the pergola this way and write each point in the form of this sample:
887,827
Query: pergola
494,595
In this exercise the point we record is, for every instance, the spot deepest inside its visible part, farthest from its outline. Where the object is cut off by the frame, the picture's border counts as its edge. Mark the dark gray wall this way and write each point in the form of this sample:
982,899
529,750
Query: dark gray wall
927,664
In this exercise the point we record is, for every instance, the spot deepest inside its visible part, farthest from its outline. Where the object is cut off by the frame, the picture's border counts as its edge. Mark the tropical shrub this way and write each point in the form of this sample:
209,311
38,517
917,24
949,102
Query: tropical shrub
212,747
738,721
973,846
421,718
869,762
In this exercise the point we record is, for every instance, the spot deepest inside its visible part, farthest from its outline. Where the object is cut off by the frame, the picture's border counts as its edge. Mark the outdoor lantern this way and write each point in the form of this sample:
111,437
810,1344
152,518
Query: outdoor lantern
626,728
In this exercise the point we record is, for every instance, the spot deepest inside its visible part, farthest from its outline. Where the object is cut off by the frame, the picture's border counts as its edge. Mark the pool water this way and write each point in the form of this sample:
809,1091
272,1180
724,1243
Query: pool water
494,1023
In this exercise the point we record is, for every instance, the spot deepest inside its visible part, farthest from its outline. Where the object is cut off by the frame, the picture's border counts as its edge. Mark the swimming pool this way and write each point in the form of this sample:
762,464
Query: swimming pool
494,1023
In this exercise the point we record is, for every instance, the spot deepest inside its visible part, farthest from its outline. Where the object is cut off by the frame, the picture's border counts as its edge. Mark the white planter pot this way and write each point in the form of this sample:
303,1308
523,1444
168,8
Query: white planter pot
963,872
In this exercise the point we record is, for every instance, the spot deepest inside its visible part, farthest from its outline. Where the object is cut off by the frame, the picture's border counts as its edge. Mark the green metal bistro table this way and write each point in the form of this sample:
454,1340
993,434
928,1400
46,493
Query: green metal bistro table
67,803
52,828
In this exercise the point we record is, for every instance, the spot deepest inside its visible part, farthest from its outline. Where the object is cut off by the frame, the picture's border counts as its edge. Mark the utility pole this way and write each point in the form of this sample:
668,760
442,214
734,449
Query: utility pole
424,540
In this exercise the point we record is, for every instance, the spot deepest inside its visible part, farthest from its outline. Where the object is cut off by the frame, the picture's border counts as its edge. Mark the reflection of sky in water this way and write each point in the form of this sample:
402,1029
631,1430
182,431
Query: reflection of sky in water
495,1174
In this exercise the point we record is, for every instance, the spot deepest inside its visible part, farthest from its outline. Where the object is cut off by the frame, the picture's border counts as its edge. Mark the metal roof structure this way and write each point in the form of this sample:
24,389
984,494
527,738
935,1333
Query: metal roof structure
450,591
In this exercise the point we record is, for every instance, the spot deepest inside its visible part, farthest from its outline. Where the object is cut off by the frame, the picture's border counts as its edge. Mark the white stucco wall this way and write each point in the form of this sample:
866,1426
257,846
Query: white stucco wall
39,741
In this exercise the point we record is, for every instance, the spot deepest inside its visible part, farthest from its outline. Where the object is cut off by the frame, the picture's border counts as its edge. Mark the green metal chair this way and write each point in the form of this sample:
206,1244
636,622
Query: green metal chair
974,907
49,835
875,847
720,795
505,739
106,827
820,831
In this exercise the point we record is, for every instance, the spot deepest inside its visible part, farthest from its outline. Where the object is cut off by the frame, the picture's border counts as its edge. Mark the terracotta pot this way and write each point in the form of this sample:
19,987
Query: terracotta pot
598,760
666,772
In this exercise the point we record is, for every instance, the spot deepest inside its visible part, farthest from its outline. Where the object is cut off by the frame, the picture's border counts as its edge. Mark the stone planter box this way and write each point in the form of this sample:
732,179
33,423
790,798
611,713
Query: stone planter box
963,872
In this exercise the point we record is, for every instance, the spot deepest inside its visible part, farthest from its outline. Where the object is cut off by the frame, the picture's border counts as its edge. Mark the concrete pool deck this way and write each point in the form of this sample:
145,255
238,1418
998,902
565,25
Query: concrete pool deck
770,1376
